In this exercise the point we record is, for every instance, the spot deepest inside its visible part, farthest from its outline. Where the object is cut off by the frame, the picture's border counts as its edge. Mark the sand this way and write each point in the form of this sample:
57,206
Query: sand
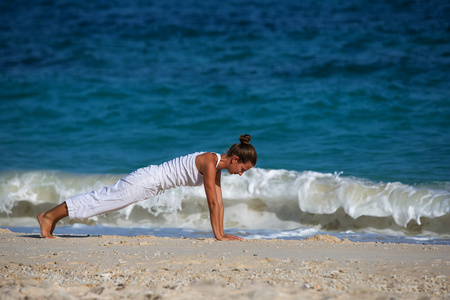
148,267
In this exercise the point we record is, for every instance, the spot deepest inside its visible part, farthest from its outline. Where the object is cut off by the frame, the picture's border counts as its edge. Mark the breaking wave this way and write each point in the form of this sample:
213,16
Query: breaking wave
260,199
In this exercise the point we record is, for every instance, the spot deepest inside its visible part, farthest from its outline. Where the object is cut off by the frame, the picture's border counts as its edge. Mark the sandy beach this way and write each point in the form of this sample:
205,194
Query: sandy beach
148,267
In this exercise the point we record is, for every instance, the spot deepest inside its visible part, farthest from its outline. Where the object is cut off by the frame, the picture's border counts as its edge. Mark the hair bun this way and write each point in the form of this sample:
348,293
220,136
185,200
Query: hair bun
245,138
243,150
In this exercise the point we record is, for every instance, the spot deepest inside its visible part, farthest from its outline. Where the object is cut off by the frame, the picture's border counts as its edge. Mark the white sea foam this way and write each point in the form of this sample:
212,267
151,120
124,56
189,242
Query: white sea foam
260,199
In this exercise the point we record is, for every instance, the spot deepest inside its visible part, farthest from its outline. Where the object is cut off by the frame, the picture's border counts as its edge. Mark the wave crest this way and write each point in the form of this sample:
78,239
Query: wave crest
261,199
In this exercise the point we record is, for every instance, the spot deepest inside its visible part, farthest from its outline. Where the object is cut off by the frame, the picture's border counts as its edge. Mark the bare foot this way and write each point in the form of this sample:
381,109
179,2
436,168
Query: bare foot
46,225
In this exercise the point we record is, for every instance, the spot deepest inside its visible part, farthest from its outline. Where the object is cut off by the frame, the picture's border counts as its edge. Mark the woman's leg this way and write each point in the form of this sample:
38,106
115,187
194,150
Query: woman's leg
47,220
137,186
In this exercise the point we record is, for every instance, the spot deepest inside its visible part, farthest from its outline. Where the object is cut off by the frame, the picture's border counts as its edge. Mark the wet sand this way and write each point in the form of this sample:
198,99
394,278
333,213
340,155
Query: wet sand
148,267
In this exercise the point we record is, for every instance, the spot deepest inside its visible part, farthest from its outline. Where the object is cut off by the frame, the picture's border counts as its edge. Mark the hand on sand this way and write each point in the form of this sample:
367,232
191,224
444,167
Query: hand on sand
229,237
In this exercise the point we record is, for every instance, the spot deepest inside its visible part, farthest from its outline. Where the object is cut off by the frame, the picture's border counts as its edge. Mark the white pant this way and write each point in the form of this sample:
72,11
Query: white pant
140,185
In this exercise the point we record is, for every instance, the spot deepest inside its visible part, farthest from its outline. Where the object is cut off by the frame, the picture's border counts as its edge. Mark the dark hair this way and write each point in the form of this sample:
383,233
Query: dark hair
244,150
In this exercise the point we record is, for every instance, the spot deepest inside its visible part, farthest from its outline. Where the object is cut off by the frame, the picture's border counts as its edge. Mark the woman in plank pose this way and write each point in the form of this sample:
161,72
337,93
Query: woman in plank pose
190,170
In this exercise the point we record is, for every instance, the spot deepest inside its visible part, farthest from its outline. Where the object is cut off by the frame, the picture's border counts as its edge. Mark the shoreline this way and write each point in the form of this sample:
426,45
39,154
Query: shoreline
148,267
357,237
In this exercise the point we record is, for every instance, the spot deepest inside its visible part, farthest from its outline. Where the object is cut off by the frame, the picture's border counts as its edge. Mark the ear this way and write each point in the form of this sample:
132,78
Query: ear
235,158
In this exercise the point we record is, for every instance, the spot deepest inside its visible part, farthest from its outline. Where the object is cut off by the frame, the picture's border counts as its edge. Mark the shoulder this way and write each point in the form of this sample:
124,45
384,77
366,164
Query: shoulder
206,160
207,157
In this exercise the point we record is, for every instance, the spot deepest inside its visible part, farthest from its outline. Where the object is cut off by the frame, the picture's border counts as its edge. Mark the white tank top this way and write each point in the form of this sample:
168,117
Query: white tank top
181,171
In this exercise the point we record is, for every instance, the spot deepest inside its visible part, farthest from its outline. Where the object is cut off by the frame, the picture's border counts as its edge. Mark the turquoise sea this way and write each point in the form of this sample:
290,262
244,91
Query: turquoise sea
347,102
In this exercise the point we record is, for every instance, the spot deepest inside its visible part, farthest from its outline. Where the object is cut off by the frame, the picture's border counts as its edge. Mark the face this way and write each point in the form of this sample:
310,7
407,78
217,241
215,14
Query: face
239,168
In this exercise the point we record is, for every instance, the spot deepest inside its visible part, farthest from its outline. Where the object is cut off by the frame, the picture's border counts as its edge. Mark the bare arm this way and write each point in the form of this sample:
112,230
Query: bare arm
211,179
222,210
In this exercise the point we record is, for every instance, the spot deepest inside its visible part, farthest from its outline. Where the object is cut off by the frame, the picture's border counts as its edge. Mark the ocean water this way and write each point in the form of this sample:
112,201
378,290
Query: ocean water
347,102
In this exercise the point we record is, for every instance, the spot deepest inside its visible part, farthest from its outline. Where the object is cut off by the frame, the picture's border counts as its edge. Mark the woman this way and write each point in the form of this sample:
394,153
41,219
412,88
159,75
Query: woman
190,170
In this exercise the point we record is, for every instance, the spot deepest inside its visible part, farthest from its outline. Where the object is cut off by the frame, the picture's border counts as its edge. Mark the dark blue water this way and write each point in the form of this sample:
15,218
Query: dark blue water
104,87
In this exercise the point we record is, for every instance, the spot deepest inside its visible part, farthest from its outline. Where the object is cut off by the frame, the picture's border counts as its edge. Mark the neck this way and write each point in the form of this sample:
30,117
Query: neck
224,162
